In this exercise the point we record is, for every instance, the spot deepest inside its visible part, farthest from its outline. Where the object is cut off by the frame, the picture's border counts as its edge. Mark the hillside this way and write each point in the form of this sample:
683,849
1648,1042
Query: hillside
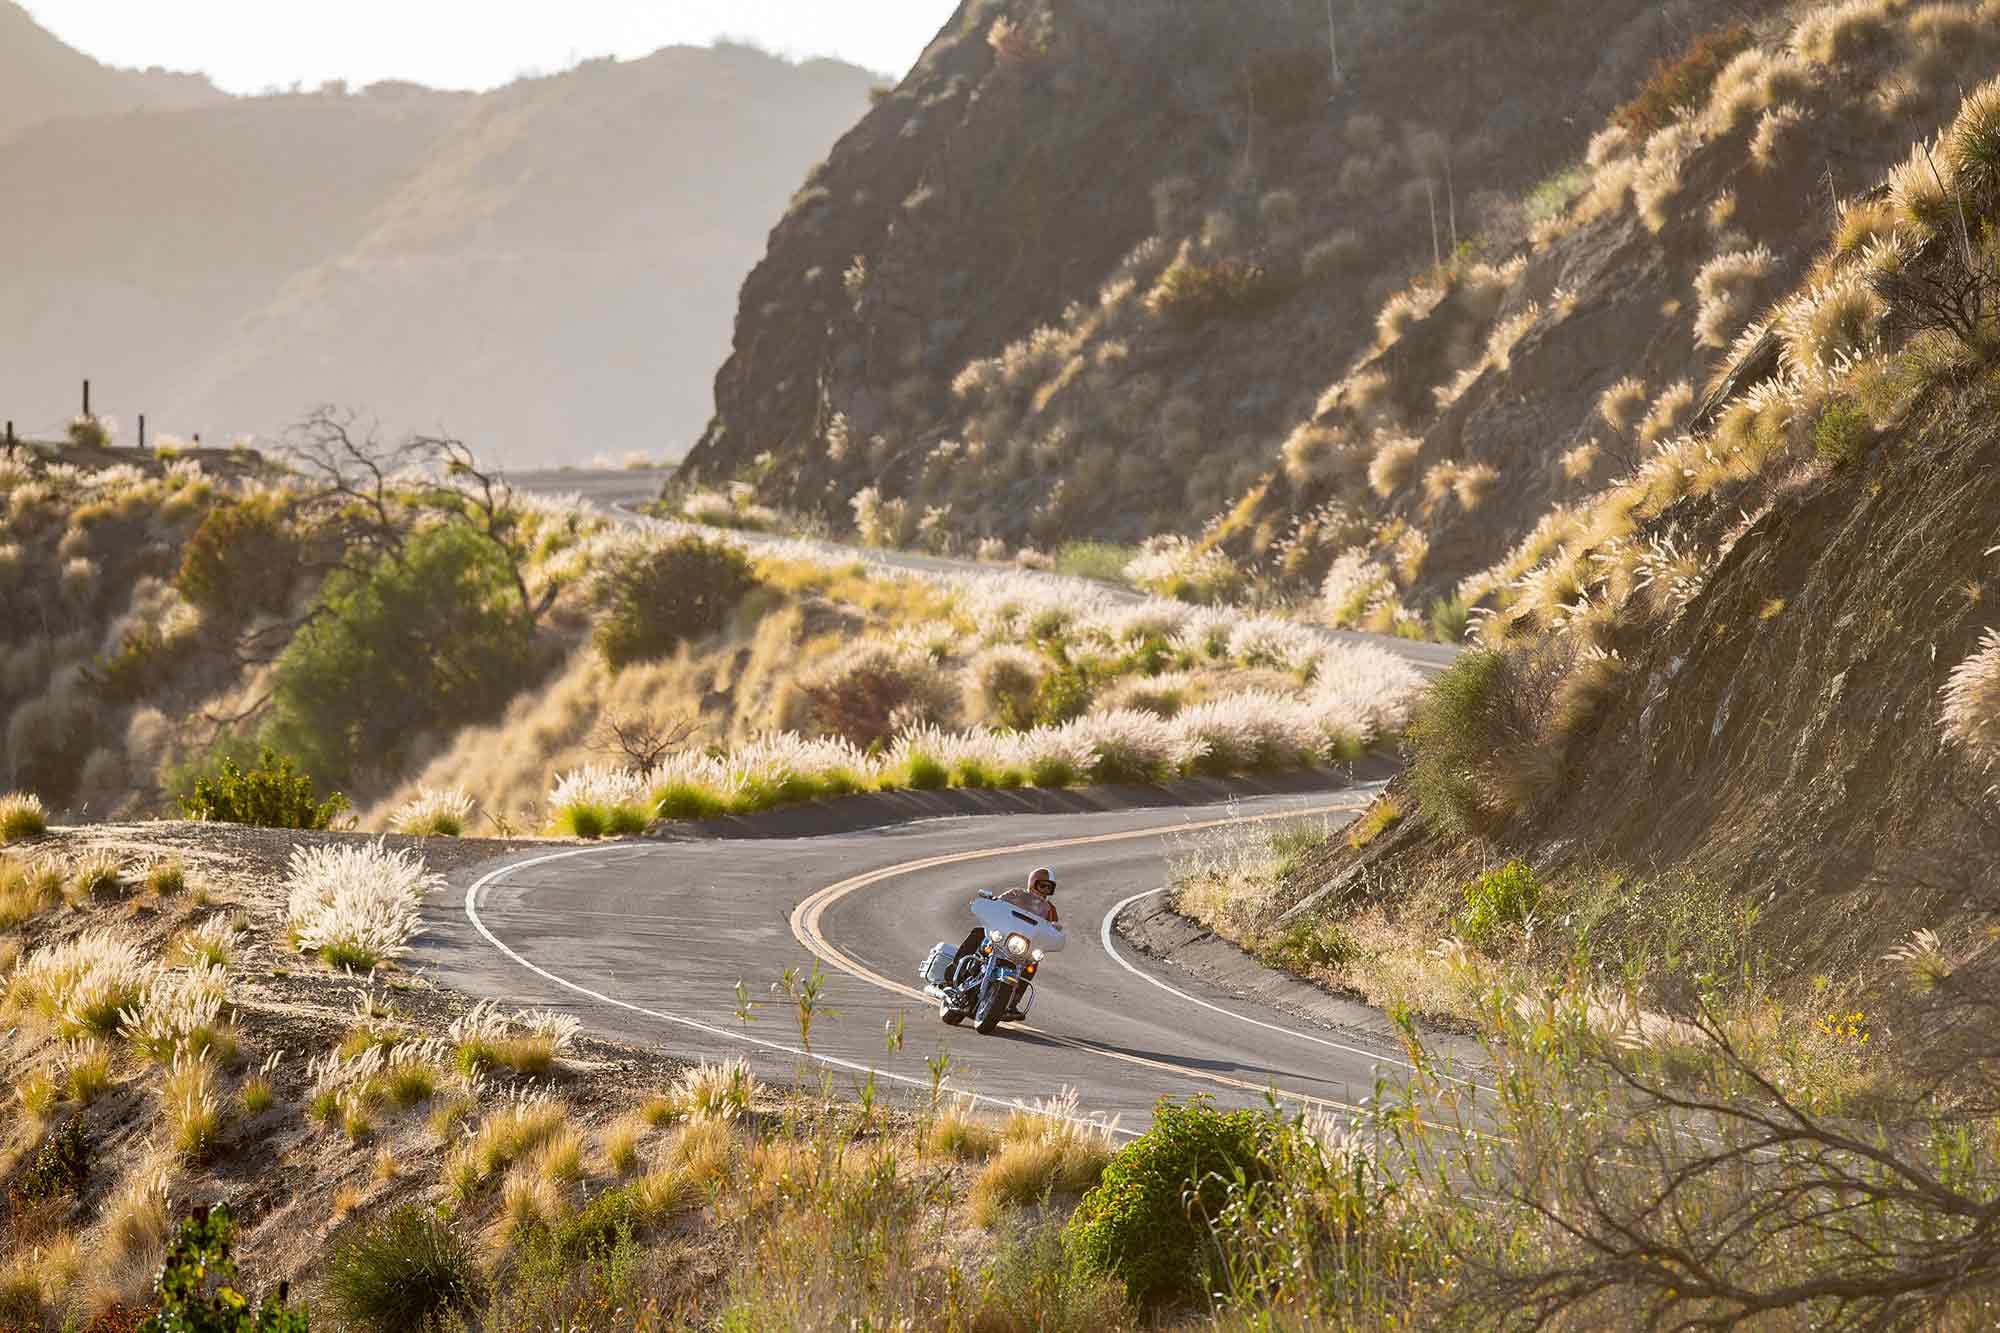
41,79
545,270
1110,255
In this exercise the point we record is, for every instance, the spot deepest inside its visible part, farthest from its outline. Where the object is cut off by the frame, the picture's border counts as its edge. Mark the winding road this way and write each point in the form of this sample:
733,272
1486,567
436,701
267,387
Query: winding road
646,941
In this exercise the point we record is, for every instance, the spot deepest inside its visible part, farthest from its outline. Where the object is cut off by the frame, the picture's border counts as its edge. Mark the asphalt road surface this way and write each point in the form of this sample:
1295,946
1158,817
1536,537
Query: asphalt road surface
646,941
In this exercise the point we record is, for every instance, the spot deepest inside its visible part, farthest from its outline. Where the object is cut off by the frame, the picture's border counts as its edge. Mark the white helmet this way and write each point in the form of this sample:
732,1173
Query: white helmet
1042,876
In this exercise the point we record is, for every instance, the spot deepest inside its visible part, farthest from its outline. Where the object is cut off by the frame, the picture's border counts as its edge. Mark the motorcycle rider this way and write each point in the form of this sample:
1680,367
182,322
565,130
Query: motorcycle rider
1038,898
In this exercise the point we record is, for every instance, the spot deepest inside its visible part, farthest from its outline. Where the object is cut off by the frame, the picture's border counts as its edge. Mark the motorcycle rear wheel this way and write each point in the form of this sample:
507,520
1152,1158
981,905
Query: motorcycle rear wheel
951,1017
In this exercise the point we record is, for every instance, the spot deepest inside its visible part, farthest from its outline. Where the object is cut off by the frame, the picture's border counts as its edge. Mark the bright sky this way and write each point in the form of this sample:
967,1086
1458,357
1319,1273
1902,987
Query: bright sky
248,45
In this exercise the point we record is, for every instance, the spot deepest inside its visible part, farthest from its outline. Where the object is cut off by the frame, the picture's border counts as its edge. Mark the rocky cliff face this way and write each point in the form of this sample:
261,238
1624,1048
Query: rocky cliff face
1087,267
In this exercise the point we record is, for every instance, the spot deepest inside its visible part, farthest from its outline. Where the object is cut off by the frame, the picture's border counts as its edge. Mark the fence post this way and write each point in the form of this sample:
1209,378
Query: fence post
86,399
142,432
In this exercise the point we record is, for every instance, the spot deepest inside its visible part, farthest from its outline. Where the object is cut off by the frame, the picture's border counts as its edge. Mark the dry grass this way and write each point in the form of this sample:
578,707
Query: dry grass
1395,462
703,1151
620,1143
97,875
717,1091
1777,131
958,1134
190,1107
1669,413
22,816
1726,288
1970,713
27,891
1044,1152
1473,485
1579,463
1846,31
1621,404
512,1132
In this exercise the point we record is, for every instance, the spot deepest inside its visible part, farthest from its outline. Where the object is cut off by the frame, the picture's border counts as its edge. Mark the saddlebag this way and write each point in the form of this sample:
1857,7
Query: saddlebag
937,964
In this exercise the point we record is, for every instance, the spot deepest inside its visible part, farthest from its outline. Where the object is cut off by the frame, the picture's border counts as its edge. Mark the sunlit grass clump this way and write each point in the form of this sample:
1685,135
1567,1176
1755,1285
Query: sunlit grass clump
22,816
356,906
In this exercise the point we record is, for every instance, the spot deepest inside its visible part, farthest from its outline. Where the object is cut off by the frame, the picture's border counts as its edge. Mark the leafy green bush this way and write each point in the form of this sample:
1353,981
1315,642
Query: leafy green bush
1063,695
1480,739
240,560
196,1286
654,601
435,638
59,1167
402,1272
1842,433
1148,1220
1496,900
270,794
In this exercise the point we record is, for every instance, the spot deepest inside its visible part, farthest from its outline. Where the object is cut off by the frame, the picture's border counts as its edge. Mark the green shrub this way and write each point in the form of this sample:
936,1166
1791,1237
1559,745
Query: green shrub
1033,1281
686,800
654,601
241,560
196,1287
1063,695
1148,1220
89,433
402,1273
1307,944
1051,770
413,645
1553,195
59,1168
270,794
1449,618
1683,80
1842,433
1480,738
1495,901
1095,560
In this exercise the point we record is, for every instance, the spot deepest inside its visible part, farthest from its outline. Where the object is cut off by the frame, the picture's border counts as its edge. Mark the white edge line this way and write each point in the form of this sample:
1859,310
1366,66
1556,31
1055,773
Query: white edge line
835,1062
1122,961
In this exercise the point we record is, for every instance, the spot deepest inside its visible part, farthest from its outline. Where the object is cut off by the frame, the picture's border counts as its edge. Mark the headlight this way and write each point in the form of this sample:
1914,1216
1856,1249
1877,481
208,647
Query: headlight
1017,945
1038,955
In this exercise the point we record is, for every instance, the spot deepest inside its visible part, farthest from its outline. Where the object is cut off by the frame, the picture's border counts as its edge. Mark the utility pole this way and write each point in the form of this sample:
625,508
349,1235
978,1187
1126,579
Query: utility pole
86,399
1430,193
142,432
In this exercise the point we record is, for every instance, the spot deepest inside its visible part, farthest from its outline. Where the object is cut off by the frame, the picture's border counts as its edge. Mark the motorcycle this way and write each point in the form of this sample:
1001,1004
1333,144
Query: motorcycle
994,985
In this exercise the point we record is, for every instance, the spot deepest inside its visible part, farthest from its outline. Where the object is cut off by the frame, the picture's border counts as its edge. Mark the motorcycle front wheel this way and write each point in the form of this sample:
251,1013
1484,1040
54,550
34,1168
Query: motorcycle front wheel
992,1004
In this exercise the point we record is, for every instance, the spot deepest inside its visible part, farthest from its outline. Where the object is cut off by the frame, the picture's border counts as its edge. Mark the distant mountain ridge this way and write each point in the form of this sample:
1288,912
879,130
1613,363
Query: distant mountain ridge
548,270
41,79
